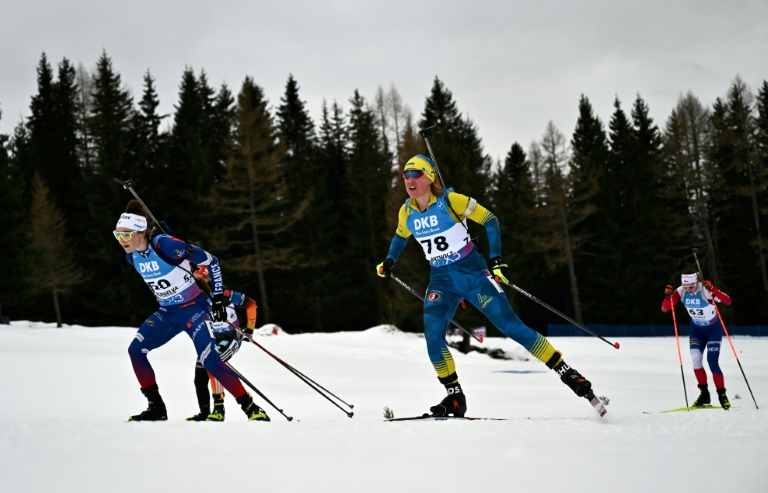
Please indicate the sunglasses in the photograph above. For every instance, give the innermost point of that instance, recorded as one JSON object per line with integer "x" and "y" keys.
{"x": 124, "y": 235}
{"x": 692, "y": 286}
{"x": 412, "y": 173}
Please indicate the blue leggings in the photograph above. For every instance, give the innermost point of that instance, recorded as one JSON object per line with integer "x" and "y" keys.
{"x": 706, "y": 339}
{"x": 469, "y": 279}
{"x": 167, "y": 323}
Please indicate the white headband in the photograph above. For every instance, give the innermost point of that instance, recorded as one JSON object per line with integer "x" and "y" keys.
{"x": 688, "y": 279}
{"x": 132, "y": 222}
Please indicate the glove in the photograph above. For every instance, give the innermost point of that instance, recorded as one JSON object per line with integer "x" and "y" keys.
{"x": 500, "y": 269}
{"x": 708, "y": 285}
{"x": 249, "y": 331}
{"x": 219, "y": 307}
{"x": 384, "y": 269}
{"x": 668, "y": 291}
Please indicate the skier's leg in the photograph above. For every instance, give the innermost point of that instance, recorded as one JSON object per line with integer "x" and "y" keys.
{"x": 439, "y": 306}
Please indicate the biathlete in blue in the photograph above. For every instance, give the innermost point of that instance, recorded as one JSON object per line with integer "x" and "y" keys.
{"x": 437, "y": 218}
{"x": 698, "y": 299}
{"x": 164, "y": 263}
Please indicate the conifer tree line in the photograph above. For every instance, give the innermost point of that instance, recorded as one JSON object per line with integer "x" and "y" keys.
{"x": 299, "y": 212}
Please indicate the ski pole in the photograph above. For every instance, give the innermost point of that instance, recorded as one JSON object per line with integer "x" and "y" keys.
{"x": 426, "y": 134}
{"x": 311, "y": 383}
{"x": 553, "y": 310}
{"x": 245, "y": 380}
{"x": 128, "y": 185}
{"x": 679, "y": 354}
{"x": 717, "y": 310}
{"x": 469, "y": 333}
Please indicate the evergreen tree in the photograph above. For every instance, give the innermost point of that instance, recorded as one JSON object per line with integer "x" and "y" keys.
{"x": 514, "y": 204}
{"x": 368, "y": 176}
{"x": 761, "y": 174}
{"x": 52, "y": 136}
{"x": 734, "y": 203}
{"x": 13, "y": 225}
{"x": 300, "y": 172}
{"x": 149, "y": 147}
{"x": 648, "y": 261}
{"x": 589, "y": 155}
{"x": 684, "y": 183}
{"x": 326, "y": 215}
{"x": 249, "y": 199}
{"x": 109, "y": 133}
{"x": 615, "y": 199}
{"x": 457, "y": 146}
{"x": 199, "y": 146}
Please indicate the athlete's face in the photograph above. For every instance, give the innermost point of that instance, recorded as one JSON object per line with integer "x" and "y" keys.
{"x": 131, "y": 240}
{"x": 416, "y": 186}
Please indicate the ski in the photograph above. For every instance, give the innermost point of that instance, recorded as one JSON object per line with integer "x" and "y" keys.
{"x": 596, "y": 403}
{"x": 692, "y": 408}
{"x": 431, "y": 417}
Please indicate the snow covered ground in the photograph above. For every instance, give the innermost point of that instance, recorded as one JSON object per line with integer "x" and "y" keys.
{"x": 66, "y": 395}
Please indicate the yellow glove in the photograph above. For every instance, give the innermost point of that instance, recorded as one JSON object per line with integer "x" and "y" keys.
{"x": 384, "y": 269}
{"x": 500, "y": 269}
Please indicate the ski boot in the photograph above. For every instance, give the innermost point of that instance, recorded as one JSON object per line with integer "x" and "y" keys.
{"x": 218, "y": 408}
{"x": 201, "y": 416}
{"x": 704, "y": 399}
{"x": 573, "y": 379}
{"x": 454, "y": 403}
{"x": 723, "y": 399}
{"x": 156, "y": 409}
{"x": 254, "y": 412}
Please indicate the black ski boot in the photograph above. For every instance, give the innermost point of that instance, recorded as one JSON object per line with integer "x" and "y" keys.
{"x": 723, "y": 399}
{"x": 254, "y": 412}
{"x": 454, "y": 403}
{"x": 156, "y": 409}
{"x": 218, "y": 408}
{"x": 704, "y": 398}
{"x": 201, "y": 416}
{"x": 573, "y": 379}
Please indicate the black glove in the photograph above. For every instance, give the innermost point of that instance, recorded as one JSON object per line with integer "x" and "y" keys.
{"x": 219, "y": 307}
{"x": 668, "y": 291}
{"x": 384, "y": 269}
{"x": 500, "y": 269}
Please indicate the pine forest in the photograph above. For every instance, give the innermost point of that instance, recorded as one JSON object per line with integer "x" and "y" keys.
{"x": 595, "y": 220}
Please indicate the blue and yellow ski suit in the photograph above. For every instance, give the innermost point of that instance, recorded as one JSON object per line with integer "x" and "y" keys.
{"x": 460, "y": 272}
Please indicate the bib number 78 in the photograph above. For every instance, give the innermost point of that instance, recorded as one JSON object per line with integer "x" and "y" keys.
{"x": 440, "y": 243}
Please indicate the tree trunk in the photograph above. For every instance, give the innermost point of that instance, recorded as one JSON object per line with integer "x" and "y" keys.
{"x": 56, "y": 307}
{"x": 571, "y": 269}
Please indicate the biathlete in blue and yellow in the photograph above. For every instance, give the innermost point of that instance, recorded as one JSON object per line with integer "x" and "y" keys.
{"x": 437, "y": 219}
{"x": 163, "y": 262}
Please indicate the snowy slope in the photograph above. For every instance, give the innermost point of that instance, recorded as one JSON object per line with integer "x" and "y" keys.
{"x": 66, "y": 394}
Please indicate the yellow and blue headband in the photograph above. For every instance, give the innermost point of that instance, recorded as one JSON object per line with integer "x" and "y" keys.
{"x": 423, "y": 164}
